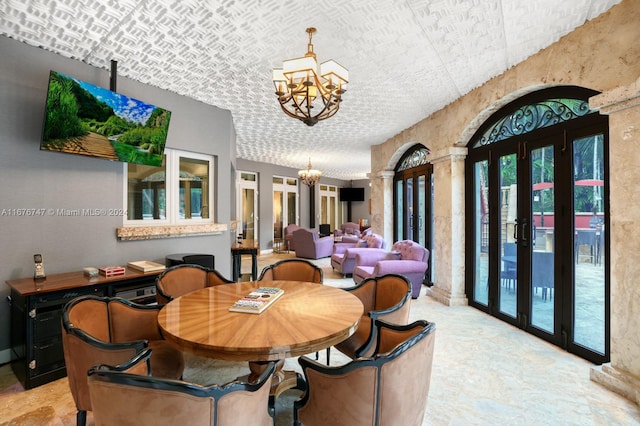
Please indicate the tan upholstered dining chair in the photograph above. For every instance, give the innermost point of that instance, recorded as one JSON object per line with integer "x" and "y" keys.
{"x": 120, "y": 397}
{"x": 98, "y": 330}
{"x": 390, "y": 387}
{"x": 385, "y": 297}
{"x": 182, "y": 279}
{"x": 292, "y": 270}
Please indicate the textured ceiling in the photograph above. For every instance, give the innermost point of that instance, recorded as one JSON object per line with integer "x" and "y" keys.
{"x": 406, "y": 59}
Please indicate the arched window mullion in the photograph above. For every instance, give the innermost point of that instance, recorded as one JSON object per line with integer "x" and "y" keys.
{"x": 533, "y": 116}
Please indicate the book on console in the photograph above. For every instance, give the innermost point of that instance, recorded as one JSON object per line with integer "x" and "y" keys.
{"x": 258, "y": 300}
{"x": 111, "y": 271}
{"x": 146, "y": 266}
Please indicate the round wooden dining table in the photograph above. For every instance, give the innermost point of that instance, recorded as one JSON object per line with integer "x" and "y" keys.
{"x": 307, "y": 318}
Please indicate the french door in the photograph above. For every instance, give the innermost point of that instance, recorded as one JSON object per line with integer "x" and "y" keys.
{"x": 247, "y": 204}
{"x": 537, "y": 243}
{"x": 413, "y": 201}
{"x": 285, "y": 204}
{"x": 330, "y": 207}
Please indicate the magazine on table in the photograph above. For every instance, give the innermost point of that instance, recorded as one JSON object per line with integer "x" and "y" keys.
{"x": 258, "y": 300}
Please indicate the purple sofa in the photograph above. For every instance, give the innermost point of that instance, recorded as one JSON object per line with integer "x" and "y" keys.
{"x": 309, "y": 245}
{"x": 343, "y": 258}
{"x": 406, "y": 258}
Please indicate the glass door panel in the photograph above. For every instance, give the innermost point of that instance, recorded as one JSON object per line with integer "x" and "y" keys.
{"x": 247, "y": 204}
{"x": 542, "y": 218}
{"x": 589, "y": 235}
{"x": 278, "y": 214}
{"x": 324, "y": 200}
{"x": 420, "y": 238}
{"x": 508, "y": 282}
{"x": 248, "y": 196}
{"x": 481, "y": 236}
{"x": 292, "y": 207}
{"x": 333, "y": 213}
{"x": 410, "y": 209}
{"x": 399, "y": 209}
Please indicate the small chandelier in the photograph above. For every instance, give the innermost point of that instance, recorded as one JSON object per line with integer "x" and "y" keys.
{"x": 305, "y": 95}
{"x": 309, "y": 176}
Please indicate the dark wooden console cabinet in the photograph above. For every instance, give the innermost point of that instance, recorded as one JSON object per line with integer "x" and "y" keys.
{"x": 36, "y": 311}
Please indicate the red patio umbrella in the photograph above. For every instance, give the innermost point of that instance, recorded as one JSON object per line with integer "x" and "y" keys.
{"x": 542, "y": 185}
{"x": 589, "y": 182}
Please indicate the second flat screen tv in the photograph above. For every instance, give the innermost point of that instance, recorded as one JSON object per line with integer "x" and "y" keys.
{"x": 84, "y": 119}
{"x": 351, "y": 194}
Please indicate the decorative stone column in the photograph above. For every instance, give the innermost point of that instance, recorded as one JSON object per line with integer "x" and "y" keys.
{"x": 449, "y": 226}
{"x": 622, "y": 374}
{"x": 382, "y": 204}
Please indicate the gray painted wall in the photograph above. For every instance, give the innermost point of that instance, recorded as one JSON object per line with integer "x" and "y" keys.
{"x": 38, "y": 179}
{"x": 360, "y": 209}
{"x": 265, "y": 199}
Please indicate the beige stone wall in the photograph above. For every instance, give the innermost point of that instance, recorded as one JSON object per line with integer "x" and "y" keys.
{"x": 602, "y": 54}
{"x": 622, "y": 105}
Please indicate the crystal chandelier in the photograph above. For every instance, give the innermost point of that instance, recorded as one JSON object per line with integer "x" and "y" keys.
{"x": 309, "y": 176}
{"x": 306, "y": 95}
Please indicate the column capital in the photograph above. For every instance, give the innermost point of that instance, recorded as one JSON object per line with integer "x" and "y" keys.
{"x": 385, "y": 174}
{"x": 617, "y": 99}
{"x": 453, "y": 153}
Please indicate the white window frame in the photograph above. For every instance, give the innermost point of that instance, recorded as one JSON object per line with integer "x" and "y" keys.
{"x": 172, "y": 179}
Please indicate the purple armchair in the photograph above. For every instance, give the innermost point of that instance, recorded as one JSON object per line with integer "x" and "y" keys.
{"x": 348, "y": 228}
{"x": 309, "y": 245}
{"x": 288, "y": 235}
{"x": 343, "y": 258}
{"x": 406, "y": 258}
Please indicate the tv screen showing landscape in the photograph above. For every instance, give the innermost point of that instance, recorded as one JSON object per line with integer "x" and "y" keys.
{"x": 84, "y": 119}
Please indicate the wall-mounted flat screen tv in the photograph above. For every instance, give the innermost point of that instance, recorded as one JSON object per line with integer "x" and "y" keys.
{"x": 351, "y": 194}
{"x": 84, "y": 119}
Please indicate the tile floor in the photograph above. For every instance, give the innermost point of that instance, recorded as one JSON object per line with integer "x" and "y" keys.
{"x": 485, "y": 372}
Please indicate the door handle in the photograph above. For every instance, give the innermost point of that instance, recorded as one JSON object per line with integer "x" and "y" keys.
{"x": 524, "y": 229}
{"x": 520, "y": 232}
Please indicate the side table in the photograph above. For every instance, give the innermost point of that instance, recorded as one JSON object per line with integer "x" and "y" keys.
{"x": 277, "y": 246}
{"x": 240, "y": 248}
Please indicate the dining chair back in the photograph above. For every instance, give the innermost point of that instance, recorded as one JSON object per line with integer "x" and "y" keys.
{"x": 107, "y": 330}
{"x": 292, "y": 270}
{"x": 120, "y": 398}
{"x": 390, "y": 387}
{"x": 384, "y": 297}
{"x": 185, "y": 278}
